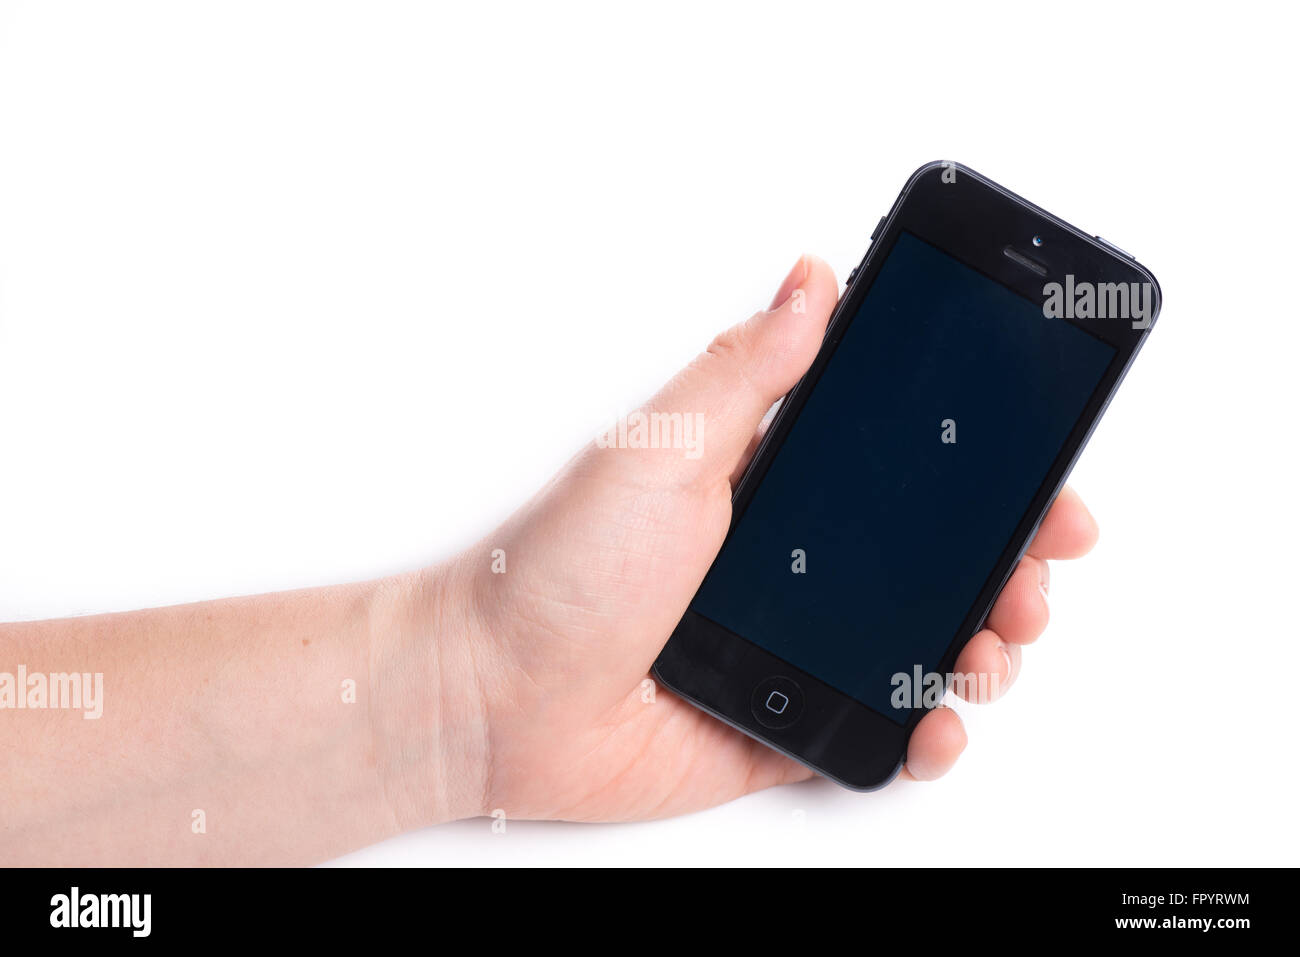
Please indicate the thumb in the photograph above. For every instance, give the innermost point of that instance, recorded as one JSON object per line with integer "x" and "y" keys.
{"x": 732, "y": 384}
{"x": 619, "y": 542}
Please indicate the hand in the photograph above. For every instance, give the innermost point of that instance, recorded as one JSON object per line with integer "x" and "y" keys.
{"x": 544, "y": 707}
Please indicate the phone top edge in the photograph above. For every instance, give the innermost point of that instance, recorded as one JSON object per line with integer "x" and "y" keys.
{"x": 1105, "y": 246}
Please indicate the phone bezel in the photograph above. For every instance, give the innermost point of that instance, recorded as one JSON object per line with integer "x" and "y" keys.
{"x": 973, "y": 219}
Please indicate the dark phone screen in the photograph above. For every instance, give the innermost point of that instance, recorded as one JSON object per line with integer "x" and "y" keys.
{"x": 899, "y": 526}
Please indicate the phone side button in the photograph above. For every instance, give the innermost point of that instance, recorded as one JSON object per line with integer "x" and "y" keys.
{"x": 777, "y": 702}
{"x": 874, "y": 233}
{"x": 1113, "y": 248}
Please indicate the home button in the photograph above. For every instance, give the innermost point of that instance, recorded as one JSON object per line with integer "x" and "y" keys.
{"x": 777, "y": 702}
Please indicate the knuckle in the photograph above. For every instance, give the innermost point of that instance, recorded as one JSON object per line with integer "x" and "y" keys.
{"x": 731, "y": 345}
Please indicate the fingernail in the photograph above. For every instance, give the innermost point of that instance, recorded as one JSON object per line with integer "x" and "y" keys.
{"x": 1044, "y": 579}
{"x": 1006, "y": 655}
{"x": 793, "y": 279}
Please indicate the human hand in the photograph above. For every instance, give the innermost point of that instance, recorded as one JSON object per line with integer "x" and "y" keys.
{"x": 539, "y": 691}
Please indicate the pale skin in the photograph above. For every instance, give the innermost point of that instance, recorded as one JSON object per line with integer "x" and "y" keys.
{"x": 475, "y": 692}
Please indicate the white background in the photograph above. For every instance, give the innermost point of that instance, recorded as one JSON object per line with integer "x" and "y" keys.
{"x": 293, "y": 294}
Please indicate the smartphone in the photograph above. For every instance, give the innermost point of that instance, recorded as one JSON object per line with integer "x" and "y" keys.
{"x": 973, "y": 352}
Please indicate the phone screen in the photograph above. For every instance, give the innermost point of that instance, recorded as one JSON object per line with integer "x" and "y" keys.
{"x": 915, "y": 457}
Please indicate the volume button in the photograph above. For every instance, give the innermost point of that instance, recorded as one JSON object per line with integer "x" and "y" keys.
{"x": 874, "y": 233}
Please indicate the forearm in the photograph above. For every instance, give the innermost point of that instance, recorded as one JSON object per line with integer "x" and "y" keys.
{"x": 276, "y": 729}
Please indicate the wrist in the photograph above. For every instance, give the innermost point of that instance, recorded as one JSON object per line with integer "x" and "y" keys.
{"x": 429, "y": 714}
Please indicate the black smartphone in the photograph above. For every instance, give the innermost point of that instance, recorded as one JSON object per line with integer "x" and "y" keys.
{"x": 968, "y": 361}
